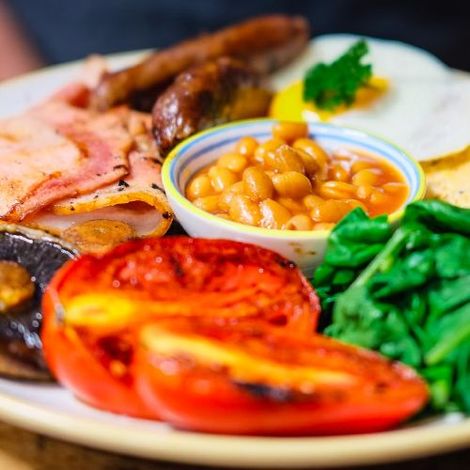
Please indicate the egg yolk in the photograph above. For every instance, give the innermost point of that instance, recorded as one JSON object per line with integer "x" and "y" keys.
{"x": 289, "y": 105}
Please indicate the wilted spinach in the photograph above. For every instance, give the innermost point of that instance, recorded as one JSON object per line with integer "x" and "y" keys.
{"x": 405, "y": 293}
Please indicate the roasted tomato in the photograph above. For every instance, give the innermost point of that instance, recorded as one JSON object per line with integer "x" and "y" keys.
{"x": 97, "y": 369}
{"x": 256, "y": 379}
{"x": 180, "y": 276}
{"x": 95, "y": 306}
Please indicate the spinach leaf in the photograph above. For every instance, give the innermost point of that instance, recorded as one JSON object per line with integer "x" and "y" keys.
{"x": 410, "y": 300}
{"x": 354, "y": 242}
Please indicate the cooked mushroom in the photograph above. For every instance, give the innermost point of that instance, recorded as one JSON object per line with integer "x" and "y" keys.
{"x": 28, "y": 259}
{"x": 16, "y": 286}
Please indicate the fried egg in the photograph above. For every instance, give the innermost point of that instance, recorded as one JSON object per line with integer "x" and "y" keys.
{"x": 413, "y": 99}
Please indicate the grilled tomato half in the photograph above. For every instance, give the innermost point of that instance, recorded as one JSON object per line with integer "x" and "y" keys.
{"x": 97, "y": 307}
{"x": 255, "y": 379}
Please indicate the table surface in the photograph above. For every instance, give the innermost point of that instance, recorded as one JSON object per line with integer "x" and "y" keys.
{"x": 23, "y": 450}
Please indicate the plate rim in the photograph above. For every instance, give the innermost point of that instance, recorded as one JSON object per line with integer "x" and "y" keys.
{"x": 114, "y": 58}
{"x": 234, "y": 451}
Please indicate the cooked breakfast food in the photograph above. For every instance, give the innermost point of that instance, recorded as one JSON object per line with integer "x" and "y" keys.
{"x": 264, "y": 44}
{"x": 165, "y": 316}
{"x": 222, "y": 336}
{"x": 405, "y": 293}
{"x": 272, "y": 382}
{"x": 386, "y": 88}
{"x": 65, "y": 165}
{"x": 91, "y": 174}
{"x": 290, "y": 182}
{"x": 28, "y": 259}
{"x": 448, "y": 178}
{"x": 206, "y": 95}
{"x": 91, "y": 329}
{"x": 58, "y": 150}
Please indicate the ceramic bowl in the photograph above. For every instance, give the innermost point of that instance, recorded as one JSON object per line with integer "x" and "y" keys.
{"x": 306, "y": 248}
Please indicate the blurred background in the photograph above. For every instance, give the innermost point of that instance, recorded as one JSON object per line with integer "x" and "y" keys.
{"x": 36, "y": 33}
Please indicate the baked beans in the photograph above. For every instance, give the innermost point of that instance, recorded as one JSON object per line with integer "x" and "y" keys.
{"x": 290, "y": 182}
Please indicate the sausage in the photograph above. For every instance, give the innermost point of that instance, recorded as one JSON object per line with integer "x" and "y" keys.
{"x": 206, "y": 95}
{"x": 264, "y": 43}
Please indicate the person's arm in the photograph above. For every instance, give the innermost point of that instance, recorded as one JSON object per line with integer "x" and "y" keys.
{"x": 17, "y": 54}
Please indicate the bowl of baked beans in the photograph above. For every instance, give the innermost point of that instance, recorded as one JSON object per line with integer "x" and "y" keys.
{"x": 285, "y": 185}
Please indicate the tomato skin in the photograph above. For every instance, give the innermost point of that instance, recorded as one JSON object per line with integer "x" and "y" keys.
{"x": 77, "y": 369}
{"x": 73, "y": 352}
{"x": 177, "y": 405}
{"x": 214, "y": 369}
{"x": 208, "y": 400}
{"x": 218, "y": 278}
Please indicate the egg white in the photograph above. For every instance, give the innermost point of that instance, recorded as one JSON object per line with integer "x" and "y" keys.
{"x": 425, "y": 111}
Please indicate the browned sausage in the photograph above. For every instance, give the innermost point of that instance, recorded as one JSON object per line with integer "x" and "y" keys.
{"x": 265, "y": 43}
{"x": 206, "y": 95}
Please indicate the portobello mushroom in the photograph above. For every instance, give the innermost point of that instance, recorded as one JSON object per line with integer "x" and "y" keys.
{"x": 28, "y": 259}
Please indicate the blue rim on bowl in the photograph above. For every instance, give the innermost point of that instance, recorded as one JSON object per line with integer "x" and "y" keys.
{"x": 176, "y": 165}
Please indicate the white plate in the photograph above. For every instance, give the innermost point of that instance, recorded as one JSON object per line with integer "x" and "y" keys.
{"x": 51, "y": 410}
